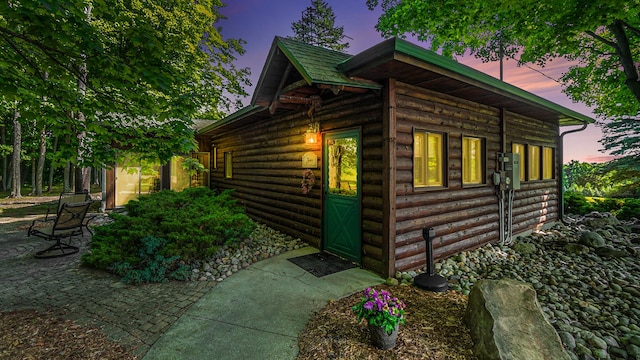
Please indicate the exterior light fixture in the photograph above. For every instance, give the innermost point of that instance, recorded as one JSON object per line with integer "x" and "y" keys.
{"x": 311, "y": 136}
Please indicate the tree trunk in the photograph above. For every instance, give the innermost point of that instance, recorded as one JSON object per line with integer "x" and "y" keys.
{"x": 52, "y": 167}
{"x": 83, "y": 174}
{"x": 17, "y": 147}
{"x": 66, "y": 187}
{"x": 3, "y": 141}
{"x": 41, "y": 160}
{"x": 623, "y": 50}
{"x": 33, "y": 177}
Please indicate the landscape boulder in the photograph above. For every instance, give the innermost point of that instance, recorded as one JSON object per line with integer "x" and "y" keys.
{"x": 507, "y": 322}
{"x": 598, "y": 220}
{"x": 591, "y": 239}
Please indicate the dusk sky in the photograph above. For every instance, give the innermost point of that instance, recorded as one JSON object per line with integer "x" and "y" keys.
{"x": 258, "y": 21}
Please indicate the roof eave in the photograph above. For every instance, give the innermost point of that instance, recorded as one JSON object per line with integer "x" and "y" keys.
{"x": 238, "y": 115}
{"x": 389, "y": 49}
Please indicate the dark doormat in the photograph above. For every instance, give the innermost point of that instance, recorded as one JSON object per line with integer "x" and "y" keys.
{"x": 322, "y": 264}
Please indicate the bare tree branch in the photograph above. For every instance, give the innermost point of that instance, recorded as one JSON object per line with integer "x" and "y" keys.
{"x": 601, "y": 39}
{"x": 631, "y": 28}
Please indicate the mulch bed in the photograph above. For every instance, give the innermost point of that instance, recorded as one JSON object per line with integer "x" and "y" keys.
{"x": 434, "y": 329}
{"x": 27, "y": 334}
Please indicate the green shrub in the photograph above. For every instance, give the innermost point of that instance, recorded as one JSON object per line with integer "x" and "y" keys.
{"x": 576, "y": 203}
{"x": 630, "y": 209}
{"x": 152, "y": 267}
{"x": 193, "y": 223}
{"x": 622, "y": 208}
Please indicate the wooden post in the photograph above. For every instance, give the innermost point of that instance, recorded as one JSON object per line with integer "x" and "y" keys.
{"x": 389, "y": 180}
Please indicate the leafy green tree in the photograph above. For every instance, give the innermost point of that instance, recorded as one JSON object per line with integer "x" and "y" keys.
{"x": 600, "y": 38}
{"x": 581, "y": 173}
{"x": 129, "y": 74}
{"x": 317, "y": 27}
{"x": 622, "y": 138}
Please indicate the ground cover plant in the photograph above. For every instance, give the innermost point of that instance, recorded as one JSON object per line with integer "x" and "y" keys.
{"x": 161, "y": 234}
{"x": 621, "y": 208}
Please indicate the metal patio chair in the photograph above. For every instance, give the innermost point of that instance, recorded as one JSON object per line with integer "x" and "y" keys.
{"x": 68, "y": 222}
{"x": 71, "y": 197}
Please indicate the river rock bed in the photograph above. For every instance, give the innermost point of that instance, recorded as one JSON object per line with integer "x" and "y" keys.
{"x": 263, "y": 243}
{"x": 586, "y": 275}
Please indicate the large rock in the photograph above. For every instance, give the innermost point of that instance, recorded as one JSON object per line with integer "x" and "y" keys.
{"x": 597, "y": 220}
{"x": 506, "y": 322}
{"x": 591, "y": 239}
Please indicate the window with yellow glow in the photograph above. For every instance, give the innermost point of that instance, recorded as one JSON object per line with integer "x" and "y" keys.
{"x": 228, "y": 167}
{"x": 179, "y": 179}
{"x": 134, "y": 177}
{"x": 547, "y": 163}
{"x": 472, "y": 160}
{"x": 428, "y": 159}
{"x": 519, "y": 149}
{"x": 533, "y": 162}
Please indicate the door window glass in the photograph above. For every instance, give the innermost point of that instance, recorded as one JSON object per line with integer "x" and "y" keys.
{"x": 343, "y": 166}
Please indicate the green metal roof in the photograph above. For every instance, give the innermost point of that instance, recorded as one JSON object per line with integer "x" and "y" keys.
{"x": 245, "y": 111}
{"x": 319, "y": 65}
{"x": 387, "y": 51}
{"x": 322, "y": 66}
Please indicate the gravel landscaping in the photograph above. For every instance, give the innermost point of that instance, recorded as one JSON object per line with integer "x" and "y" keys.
{"x": 586, "y": 275}
{"x": 587, "y": 278}
{"x": 263, "y": 243}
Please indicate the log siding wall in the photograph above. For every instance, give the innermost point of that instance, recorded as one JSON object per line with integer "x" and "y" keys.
{"x": 267, "y": 169}
{"x": 464, "y": 217}
{"x": 267, "y": 173}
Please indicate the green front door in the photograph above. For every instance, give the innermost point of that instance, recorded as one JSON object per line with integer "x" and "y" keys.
{"x": 342, "y": 193}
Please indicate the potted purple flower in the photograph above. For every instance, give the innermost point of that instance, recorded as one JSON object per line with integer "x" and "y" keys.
{"x": 383, "y": 313}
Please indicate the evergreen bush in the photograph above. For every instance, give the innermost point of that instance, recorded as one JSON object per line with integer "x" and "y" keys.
{"x": 191, "y": 225}
{"x": 153, "y": 267}
{"x": 576, "y": 203}
{"x": 622, "y": 208}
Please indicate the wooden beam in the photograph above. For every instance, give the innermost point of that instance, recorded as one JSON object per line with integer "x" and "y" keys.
{"x": 389, "y": 180}
{"x": 274, "y": 103}
{"x": 286, "y": 99}
{"x": 295, "y": 86}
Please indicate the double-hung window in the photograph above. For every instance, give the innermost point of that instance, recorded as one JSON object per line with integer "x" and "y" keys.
{"x": 428, "y": 159}
{"x": 520, "y": 149}
{"x": 533, "y": 163}
{"x": 472, "y": 160}
{"x": 228, "y": 165}
{"x": 547, "y": 163}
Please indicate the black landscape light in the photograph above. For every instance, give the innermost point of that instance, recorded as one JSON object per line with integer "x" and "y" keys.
{"x": 428, "y": 280}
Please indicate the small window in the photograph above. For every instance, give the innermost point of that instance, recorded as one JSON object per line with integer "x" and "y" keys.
{"x": 547, "y": 163}
{"x": 472, "y": 160}
{"x": 214, "y": 157}
{"x": 228, "y": 167}
{"x": 428, "y": 159}
{"x": 533, "y": 166}
{"x": 519, "y": 149}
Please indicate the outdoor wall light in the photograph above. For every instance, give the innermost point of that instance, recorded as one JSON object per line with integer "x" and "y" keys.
{"x": 311, "y": 136}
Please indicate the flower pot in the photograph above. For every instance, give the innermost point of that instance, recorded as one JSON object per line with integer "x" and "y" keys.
{"x": 381, "y": 339}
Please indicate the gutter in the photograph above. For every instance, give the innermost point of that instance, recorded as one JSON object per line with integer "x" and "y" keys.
{"x": 560, "y": 180}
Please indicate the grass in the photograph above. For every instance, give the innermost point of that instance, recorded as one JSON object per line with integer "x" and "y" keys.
{"x": 36, "y": 205}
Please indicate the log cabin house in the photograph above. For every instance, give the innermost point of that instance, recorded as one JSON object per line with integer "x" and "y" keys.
{"x": 356, "y": 155}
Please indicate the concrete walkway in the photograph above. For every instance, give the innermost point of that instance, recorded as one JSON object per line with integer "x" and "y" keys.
{"x": 257, "y": 313}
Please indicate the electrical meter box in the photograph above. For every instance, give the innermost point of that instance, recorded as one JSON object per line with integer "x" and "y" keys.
{"x": 510, "y": 166}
